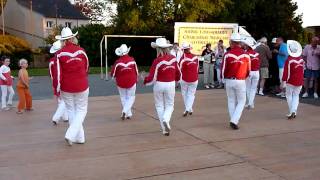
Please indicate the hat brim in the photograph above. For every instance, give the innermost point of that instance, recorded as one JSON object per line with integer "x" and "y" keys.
{"x": 53, "y": 50}
{"x": 59, "y": 37}
{"x": 119, "y": 53}
{"x": 297, "y": 54}
{"x": 154, "y": 45}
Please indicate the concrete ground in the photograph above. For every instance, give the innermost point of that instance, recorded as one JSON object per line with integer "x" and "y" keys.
{"x": 201, "y": 146}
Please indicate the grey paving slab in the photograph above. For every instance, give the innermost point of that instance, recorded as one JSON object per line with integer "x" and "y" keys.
{"x": 241, "y": 171}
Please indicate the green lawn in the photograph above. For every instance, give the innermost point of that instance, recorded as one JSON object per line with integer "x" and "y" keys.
{"x": 45, "y": 71}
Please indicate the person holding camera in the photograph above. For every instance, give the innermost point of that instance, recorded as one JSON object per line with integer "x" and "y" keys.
{"x": 208, "y": 66}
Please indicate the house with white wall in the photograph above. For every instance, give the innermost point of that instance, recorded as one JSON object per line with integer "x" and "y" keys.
{"x": 34, "y": 20}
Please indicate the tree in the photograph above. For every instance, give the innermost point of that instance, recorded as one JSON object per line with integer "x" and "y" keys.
{"x": 94, "y": 9}
{"x": 158, "y": 16}
{"x": 270, "y": 18}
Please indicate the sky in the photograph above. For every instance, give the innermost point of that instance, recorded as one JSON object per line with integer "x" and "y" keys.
{"x": 310, "y": 10}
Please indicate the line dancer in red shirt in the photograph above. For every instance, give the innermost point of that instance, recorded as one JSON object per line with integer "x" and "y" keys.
{"x": 125, "y": 71}
{"x": 253, "y": 79}
{"x": 293, "y": 76}
{"x": 164, "y": 73}
{"x": 235, "y": 70}
{"x": 61, "y": 112}
{"x": 72, "y": 84}
{"x": 189, "y": 66}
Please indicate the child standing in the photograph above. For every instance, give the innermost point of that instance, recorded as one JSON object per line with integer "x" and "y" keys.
{"x": 293, "y": 76}
{"x": 25, "y": 98}
{"x": 6, "y": 81}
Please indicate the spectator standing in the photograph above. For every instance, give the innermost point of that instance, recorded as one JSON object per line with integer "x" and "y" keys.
{"x": 208, "y": 66}
{"x": 265, "y": 56}
{"x": 311, "y": 55}
{"x": 219, "y": 52}
{"x": 6, "y": 81}
{"x": 282, "y": 55}
{"x": 23, "y": 90}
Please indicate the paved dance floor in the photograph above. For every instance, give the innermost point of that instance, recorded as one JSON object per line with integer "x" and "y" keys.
{"x": 201, "y": 146}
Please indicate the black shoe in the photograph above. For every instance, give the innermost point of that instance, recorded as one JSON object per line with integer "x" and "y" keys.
{"x": 68, "y": 142}
{"x": 128, "y": 117}
{"x": 185, "y": 113}
{"x": 123, "y": 116}
{"x": 234, "y": 126}
{"x": 166, "y": 127}
{"x": 292, "y": 116}
{"x": 190, "y": 113}
{"x": 54, "y": 123}
{"x": 167, "y": 134}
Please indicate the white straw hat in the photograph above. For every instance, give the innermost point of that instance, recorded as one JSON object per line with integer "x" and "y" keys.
{"x": 56, "y": 46}
{"x": 236, "y": 37}
{"x": 294, "y": 48}
{"x": 66, "y": 33}
{"x": 249, "y": 41}
{"x": 161, "y": 43}
{"x": 186, "y": 45}
{"x": 122, "y": 50}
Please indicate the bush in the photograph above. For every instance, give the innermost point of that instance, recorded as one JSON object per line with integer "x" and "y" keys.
{"x": 16, "y": 48}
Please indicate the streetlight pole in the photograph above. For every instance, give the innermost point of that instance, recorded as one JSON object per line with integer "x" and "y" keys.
{"x": 2, "y": 17}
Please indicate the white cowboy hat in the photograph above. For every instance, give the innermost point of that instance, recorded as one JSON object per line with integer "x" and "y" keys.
{"x": 236, "y": 37}
{"x": 186, "y": 45}
{"x": 56, "y": 46}
{"x": 66, "y": 33}
{"x": 122, "y": 50}
{"x": 274, "y": 40}
{"x": 249, "y": 41}
{"x": 161, "y": 43}
{"x": 294, "y": 48}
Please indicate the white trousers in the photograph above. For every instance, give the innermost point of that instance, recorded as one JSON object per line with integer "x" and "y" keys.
{"x": 236, "y": 92}
{"x": 208, "y": 73}
{"x": 251, "y": 86}
{"x": 188, "y": 91}
{"x": 127, "y": 97}
{"x": 61, "y": 112}
{"x": 5, "y": 89}
{"x": 77, "y": 105}
{"x": 292, "y": 95}
{"x": 164, "y": 100}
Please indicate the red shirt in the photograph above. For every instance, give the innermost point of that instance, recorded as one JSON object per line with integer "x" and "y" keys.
{"x": 255, "y": 60}
{"x": 125, "y": 71}
{"x": 189, "y": 65}
{"x": 293, "y": 71}
{"x": 235, "y": 64}
{"x": 164, "y": 69}
{"x": 72, "y": 69}
{"x": 53, "y": 74}
{"x": 6, "y": 73}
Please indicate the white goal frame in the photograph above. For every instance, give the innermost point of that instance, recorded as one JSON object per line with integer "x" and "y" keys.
{"x": 105, "y": 40}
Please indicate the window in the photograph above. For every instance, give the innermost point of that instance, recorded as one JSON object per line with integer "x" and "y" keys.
{"x": 68, "y": 24}
{"x": 49, "y": 24}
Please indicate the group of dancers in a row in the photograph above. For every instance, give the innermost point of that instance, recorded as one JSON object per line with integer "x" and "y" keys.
{"x": 240, "y": 73}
